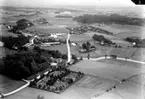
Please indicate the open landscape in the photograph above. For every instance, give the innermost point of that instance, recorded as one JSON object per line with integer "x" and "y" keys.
{"x": 72, "y": 52}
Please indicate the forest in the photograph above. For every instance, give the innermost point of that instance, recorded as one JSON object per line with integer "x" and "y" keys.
{"x": 109, "y": 19}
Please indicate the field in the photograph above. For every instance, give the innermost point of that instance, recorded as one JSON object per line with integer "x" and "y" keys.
{"x": 83, "y": 89}
{"x": 4, "y": 32}
{"x": 123, "y": 52}
{"x": 100, "y": 76}
{"x": 7, "y": 85}
{"x": 123, "y": 31}
{"x": 47, "y": 29}
{"x": 117, "y": 40}
{"x": 62, "y": 48}
{"x": 114, "y": 71}
{"x": 80, "y": 38}
{"x": 139, "y": 54}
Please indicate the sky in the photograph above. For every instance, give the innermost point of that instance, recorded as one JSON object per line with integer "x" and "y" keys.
{"x": 47, "y": 3}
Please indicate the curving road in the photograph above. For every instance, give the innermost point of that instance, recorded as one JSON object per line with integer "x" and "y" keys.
{"x": 31, "y": 42}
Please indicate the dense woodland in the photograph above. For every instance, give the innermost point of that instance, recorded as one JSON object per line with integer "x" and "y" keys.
{"x": 27, "y": 63}
{"x": 110, "y": 19}
{"x": 21, "y": 25}
{"x": 12, "y": 42}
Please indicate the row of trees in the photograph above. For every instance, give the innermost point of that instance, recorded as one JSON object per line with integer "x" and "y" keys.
{"x": 138, "y": 42}
{"x": 101, "y": 38}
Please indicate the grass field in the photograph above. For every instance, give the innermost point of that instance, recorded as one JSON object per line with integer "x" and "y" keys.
{"x": 111, "y": 37}
{"x": 128, "y": 34}
{"x": 80, "y": 38}
{"x": 123, "y": 52}
{"x": 139, "y": 54}
{"x": 7, "y": 85}
{"x": 110, "y": 70}
{"x": 83, "y": 89}
{"x": 48, "y": 29}
{"x": 62, "y": 48}
{"x": 100, "y": 76}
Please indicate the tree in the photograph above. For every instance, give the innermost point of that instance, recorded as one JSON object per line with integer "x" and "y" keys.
{"x": 98, "y": 37}
{"x": 37, "y": 49}
{"x": 88, "y": 56}
{"x": 74, "y": 57}
{"x": 86, "y": 46}
{"x": 23, "y": 24}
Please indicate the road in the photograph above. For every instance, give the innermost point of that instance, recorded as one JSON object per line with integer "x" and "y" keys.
{"x": 68, "y": 48}
{"x": 31, "y": 42}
